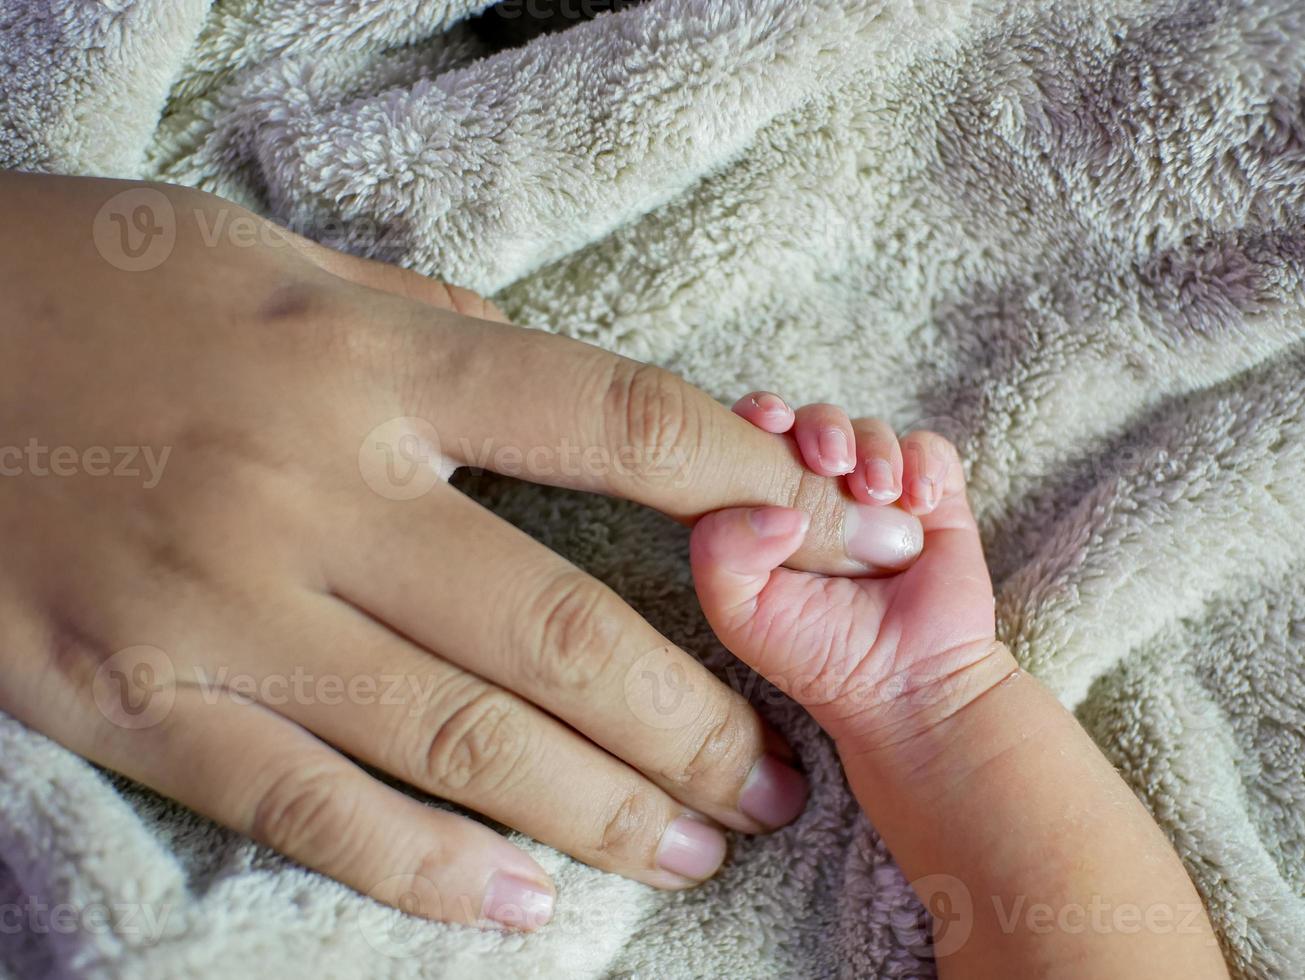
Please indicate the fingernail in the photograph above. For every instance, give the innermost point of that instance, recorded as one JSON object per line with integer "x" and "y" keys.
{"x": 835, "y": 451}
{"x": 771, "y": 404}
{"x": 925, "y": 492}
{"x": 691, "y": 849}
{"x": 774, "y": 793}
{"x": 880, "y": 481}
{"x": 885, "y": 537}
{"x": 517, "y": 903}
{"x": 778, "y": 522}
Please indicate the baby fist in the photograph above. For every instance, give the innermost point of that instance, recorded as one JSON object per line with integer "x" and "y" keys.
{"x": 877, "y": 661}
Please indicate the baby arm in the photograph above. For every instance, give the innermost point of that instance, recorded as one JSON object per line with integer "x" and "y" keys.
{"x": 1035, "y": 856}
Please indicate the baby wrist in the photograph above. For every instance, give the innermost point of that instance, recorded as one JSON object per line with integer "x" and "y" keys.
{"x": 914, "y": 728}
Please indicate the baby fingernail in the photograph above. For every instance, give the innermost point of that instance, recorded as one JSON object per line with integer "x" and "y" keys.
{"x": 777, "y": 522}
{"x": 926, "y": 492}
{"x": 885, "y": 537}
{"x": 774, "y": 793}
{"x": 691, "y": 849}
{"x": 516, "y": 902}
{"x": 771, "y": 404}
{"x": 880, "y": 481}
{"x": 835, "y": 450}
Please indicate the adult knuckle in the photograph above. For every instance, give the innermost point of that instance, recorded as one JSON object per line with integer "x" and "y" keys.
{"x": 651, "y": 418}
{"x": 293, "y": 303}
{"x": 823, "y": 499}
{"x": 811, "y": 492}
{"x": 722, "y": 745}
{"x": 304, "y": 813}
{"x": 479, "y": 746}
{"x": 307, "y": 320}
{"x": 331, "y": 330}
{"x": 630, "y": 826}
{"x": 576, "y": 635}
{"x": 70, "y": 651}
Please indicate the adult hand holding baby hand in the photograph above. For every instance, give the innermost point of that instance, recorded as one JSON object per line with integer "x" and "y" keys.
{"x": 182, "y": 630}
{"x": 879, "y": 660}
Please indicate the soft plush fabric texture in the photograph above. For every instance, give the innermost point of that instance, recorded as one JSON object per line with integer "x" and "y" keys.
{"x": 1068, "y": 233}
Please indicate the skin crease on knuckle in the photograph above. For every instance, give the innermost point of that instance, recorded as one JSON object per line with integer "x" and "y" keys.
{"x": 480, "y": 748}
{"x": 569, "y": 634}
{"x": 722, "y": 753}
{"x": 630, "y": 831}
{"x": 652, "y": 416}
{"x": 824, "y": 500}
{"x": 308, "y": 812}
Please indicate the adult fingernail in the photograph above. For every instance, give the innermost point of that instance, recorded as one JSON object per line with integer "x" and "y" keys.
{"x": 778, "y": 522}
{"x": 880, "y": 481}
{"x": 517, "y": 903}
{"x": 835, "y": 450}
{"x": 884, "y": 537}
{"x": 691, "y": 849}
{"x": 774, "y": 793}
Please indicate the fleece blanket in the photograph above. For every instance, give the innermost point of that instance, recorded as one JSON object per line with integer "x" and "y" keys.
{"x": 1068, "y": 233}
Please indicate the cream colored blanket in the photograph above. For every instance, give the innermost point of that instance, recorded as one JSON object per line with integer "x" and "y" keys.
{"x": 1067, "y": 232}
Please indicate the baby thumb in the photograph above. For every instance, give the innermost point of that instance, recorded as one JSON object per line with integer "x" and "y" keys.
{"x": 733, "y": 553}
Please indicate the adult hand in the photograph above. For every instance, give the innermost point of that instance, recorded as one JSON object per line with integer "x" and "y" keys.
{"x": 233, "y": 563}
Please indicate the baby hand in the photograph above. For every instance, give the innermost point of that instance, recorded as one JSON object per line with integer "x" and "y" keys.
{"x": 979, "y": 781}
{"x": 877, "y": 661}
